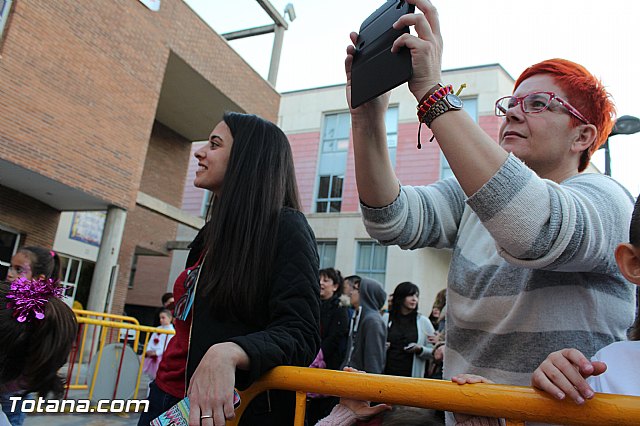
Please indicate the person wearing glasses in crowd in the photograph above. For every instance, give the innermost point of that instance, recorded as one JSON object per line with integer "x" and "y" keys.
{"x": 533, "y": 238}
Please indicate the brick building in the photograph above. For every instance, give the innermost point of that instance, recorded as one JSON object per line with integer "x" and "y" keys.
{"x": 99, "y": 104}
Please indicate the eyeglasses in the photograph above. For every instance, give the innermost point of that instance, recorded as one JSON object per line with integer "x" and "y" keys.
{"x": 534, "y": 103}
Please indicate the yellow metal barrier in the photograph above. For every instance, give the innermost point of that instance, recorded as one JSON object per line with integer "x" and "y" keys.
{"x": 82, "y": 313}
{"x": 514, "y": 403}
{"x": 122, "y": 322}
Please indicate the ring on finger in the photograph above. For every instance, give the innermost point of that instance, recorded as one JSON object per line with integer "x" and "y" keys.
{"x": 206, "y": 416}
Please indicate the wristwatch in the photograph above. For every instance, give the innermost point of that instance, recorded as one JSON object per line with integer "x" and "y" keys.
{"x": 449, "y": 102}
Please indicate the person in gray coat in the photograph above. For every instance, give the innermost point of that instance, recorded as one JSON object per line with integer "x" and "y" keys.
{"x": 368, "y": 333}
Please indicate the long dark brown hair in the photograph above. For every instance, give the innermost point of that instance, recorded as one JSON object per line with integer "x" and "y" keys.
{"x": 32, "y": 352}
{"x": 240, "y": 241}
{"x": 400, "y": 293}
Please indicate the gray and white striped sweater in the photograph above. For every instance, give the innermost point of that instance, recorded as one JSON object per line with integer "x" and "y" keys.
{"x": 533, "y": 267}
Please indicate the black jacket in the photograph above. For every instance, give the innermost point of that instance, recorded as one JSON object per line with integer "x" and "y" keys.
{"x": 289, "y": 331}
{"x": 334, "y": 330}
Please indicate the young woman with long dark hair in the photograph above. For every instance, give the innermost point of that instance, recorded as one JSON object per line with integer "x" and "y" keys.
{"x": 408, "y": 348}
{"x": 251, "y": 301}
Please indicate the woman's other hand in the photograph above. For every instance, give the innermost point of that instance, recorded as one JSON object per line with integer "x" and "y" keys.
{"x": 362, "y": 409}
{"x": 463, "y": 379}
{"x": 463, "y": 419}
{"x": 211, "y": 387}
{"x": 564, "y": 372}
{"x": 375, "y": 108}
{"x": 413, "y": 348}
{"x": 435, "y": 338}
{"x": 425, "y": 48}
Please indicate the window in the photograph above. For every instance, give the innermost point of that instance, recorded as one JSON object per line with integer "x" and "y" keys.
{"x": 76, "y": 275}
{"x": 471, "y": 107}
{"x": 333, "y": 162}
{"x": 372, "y": 261}
{"x": 5, "y": 8}
{"x": 336, "y": 132}
{"x": 329, "y": 198}
{"x": 391, "y": 123}
{"x": 134, "y": 267}
{"x": 327, "y": 254}
{"x": 9, "y": 241}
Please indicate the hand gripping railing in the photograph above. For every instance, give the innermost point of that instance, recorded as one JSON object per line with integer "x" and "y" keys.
{"x": 514, "y": 403}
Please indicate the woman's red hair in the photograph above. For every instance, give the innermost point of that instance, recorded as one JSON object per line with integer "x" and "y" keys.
{"x": 585, "y": 92}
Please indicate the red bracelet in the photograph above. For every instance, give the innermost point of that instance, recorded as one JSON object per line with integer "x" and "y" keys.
{"x": 427, "y": 102}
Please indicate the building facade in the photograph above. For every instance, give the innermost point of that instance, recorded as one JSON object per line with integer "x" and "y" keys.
{"x": 317, "y": 122}
{"x": 99, "y": 105}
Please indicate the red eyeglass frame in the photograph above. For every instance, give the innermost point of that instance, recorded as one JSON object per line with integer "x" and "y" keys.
{"x": 570, "y": 108}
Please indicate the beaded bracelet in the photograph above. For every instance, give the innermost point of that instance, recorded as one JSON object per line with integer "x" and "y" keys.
{"x": 427, "y": 103}
{"x": 434, "y": 94}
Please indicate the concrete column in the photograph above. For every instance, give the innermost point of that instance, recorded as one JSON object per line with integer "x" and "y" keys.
{"x": 106, "y": 264}
{"x": 275, "y": 55}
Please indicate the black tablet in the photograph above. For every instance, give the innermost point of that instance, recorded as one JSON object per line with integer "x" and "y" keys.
{"x": 375, "y": 70}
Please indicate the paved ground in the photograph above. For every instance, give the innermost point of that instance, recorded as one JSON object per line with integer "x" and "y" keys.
{"x": 95, "y": 419}
{"x": 88, "y": 419}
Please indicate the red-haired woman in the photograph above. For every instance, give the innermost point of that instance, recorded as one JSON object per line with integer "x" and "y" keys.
{"x": 533, "y": 238}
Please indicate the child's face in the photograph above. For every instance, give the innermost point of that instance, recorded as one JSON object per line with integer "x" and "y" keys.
{"x": 165, "y": 319}
{"x": 20, "y": 267}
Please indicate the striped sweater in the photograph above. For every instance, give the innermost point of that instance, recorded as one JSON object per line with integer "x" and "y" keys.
{"x": 532, "y": 271}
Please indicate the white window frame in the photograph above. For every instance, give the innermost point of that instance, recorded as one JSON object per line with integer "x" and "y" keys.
{"x": 368, "y": 272}
{"x": 15, "y": 245}
{"x": 322, "y": 246}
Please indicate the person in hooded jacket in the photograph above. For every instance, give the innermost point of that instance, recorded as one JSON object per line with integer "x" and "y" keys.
{"x": 366, "y": 346}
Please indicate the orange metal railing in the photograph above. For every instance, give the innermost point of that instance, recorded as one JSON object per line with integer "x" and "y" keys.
{"x": 514, "y": 403}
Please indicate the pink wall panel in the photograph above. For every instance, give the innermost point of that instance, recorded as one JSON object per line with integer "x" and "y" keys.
{"x": 416, "y": 166}
{"x": 491, "y": 125}
{"x": 305, "y": 157}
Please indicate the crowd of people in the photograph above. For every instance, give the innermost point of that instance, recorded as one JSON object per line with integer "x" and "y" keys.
{"x": 540, "y": 289}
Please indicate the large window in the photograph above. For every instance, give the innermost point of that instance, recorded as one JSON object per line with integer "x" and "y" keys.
{"x": 336, "y": 132}
{"x": 471, "y": 107}
{"x": 9, "y": 241}
{"x": 329, "y": 194}
{"x": 327, "y": 254}
{"x": 371, "y": 260}
{"x": 333, "y": 162}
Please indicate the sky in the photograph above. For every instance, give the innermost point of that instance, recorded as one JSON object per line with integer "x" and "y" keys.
{"x": 602, "y": 36}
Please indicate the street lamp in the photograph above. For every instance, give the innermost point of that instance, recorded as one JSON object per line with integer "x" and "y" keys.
{"x": 625, "y": 125}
